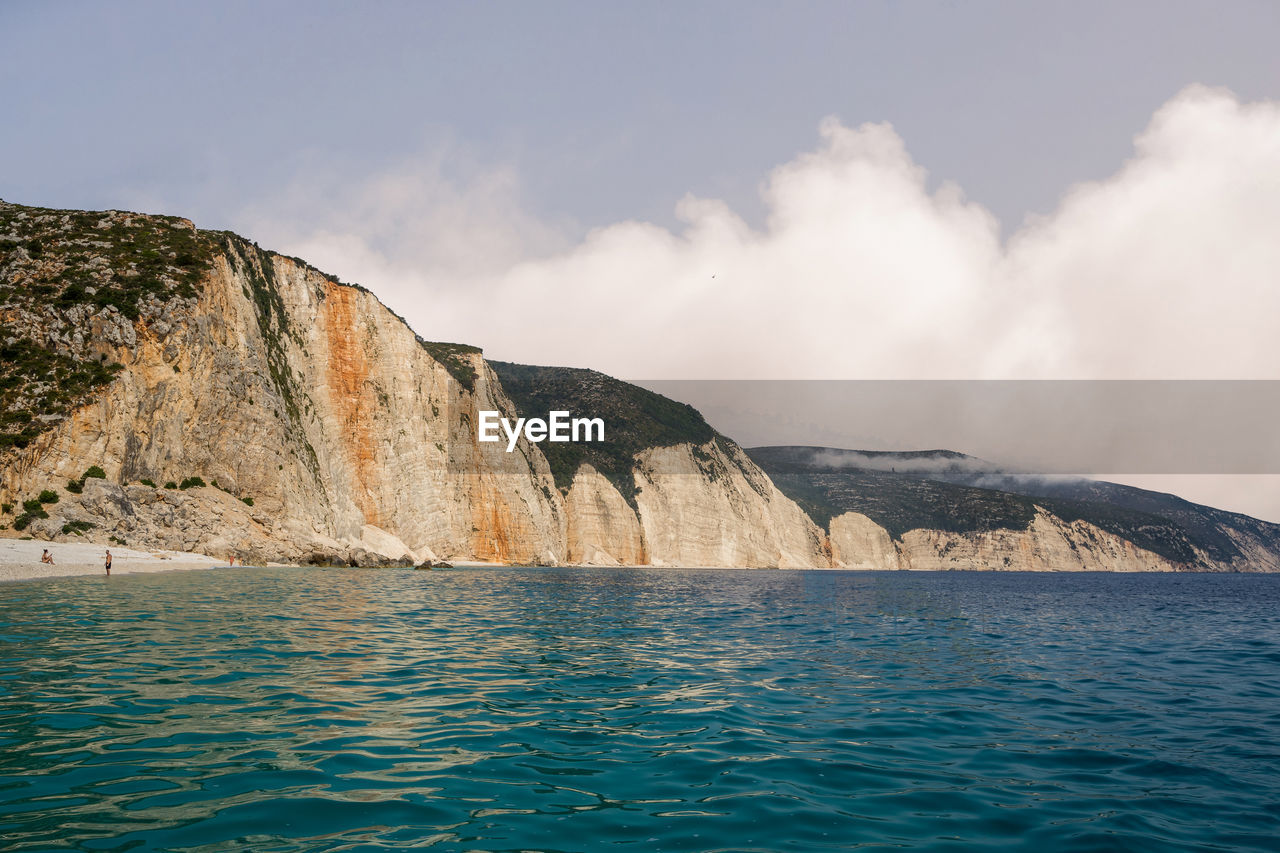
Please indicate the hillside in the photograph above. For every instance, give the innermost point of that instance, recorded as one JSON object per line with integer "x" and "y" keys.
{"x": 72, "y": 284}
{"x": 636, "y": 419}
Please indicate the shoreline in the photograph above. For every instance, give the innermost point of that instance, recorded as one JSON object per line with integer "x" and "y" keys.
{"x": 20, "y": 560}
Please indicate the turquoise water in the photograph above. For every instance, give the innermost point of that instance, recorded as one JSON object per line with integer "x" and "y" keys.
{"x": 561, "y": 709}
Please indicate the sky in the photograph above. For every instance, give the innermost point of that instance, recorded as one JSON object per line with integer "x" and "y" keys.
{"x": 737, "y": 190}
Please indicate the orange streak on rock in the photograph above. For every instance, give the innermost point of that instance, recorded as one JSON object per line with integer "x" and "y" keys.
{"x": 348, "y": 374}
{"x": 492, "y": 524}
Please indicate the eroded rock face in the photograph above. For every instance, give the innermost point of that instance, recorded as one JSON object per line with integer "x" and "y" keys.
{"x": 857, "y": 542}
{"x": 356, "y": 445}
{"x": 1048, "y": 545}
{"x": 696, "y": 506}
{"x": 316, "y": 402}
{"x": 601, "y": 527}
{"x": 701, "y": 506}
{"x": 202, "y": 520}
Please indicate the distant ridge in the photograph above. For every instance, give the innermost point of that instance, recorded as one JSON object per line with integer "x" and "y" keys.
{"x": 951, "y": 491}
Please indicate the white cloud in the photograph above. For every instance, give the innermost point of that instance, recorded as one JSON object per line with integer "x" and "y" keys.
{"x": 1169, "y": 268}
{"x": 858, "y": 271}
{"x": 1165, "y": 269}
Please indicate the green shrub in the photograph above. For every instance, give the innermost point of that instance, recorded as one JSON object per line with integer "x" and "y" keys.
{"x": 75, "y": 487}
{"x": 34, "y": 510}
{"x": 171, "y": 485}
{"x": 117, "y": 541}
{"x": 144, "y": 481}
{"x": 77, "y": 527}
{"x": 94, "y": 473}
{"x": 6, "y": 508}
{"x": 247, "y": 501}
{"x": 192, "y": 483}
{"x": 48, "y": 496}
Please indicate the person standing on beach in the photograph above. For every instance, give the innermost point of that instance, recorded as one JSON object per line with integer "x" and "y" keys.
{"x": 108, "y": 563}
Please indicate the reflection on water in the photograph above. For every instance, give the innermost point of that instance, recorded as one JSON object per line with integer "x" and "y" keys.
{"x": 560, "y": 709}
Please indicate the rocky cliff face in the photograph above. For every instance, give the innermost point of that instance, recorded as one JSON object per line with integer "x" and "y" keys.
{"x": 710, "y": 505}
{"x": 1048, "y": 544}
{"x": 353, "y": 439}
{"x": 696, "y": 505}
{"x": 310, "y": 398}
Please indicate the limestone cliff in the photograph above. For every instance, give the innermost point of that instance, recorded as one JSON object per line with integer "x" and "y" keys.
{"x": 677, "y": 493}
{"x": 601, "y": 528}
{"x": 1048, "y": 544}
{"x": 313, "y": 400}
{"x": 696, "y": 506}
{"x": 297, "y": 419}
{"x": 710, "y": 505}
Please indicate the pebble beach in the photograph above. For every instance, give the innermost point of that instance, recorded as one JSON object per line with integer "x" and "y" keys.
{"x": 20, "y": 560}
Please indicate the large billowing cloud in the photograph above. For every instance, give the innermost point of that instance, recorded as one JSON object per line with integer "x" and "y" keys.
{"x": 1166, "y": 269}
{"x": 1171, "y": 267}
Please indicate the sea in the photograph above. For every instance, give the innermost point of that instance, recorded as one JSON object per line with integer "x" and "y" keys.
{"x": 572, "y": 709}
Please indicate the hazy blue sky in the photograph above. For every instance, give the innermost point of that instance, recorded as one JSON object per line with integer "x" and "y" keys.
{"x": 606, "y": 111}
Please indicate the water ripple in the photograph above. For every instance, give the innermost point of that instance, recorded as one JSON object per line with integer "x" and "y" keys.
{"x": 562, "y": 710}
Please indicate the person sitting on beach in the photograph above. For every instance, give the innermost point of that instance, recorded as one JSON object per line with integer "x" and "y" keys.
{"x": 46, "y": 557}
